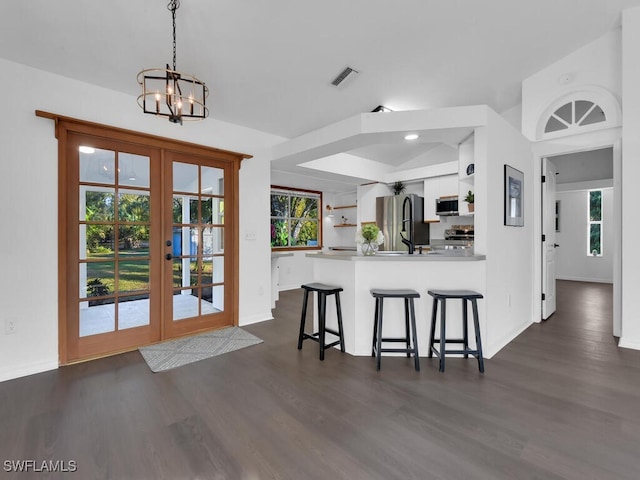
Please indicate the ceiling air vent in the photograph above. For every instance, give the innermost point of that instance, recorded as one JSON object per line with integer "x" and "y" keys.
{"x": 345, "y": 74}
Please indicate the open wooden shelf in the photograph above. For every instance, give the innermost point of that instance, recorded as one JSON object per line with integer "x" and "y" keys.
{"x": 344, "y": 206}
{"x": 345, "y": 225}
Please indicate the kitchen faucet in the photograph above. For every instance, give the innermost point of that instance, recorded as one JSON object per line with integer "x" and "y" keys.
{"x": 408, "y": 243}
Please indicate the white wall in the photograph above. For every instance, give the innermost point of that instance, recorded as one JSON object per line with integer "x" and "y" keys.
{"x": 29, "y": 211}
{"x": 572, "y": 261}
{"x": 509, "y": 250}
{"x": 630, "y": 329}
{"x": 596, "y": 64}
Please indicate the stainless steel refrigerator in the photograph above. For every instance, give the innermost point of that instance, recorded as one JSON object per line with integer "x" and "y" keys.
{"x": 391, "y": 219}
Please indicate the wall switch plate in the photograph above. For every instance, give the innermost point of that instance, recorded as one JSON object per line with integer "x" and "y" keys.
{"x": 10, "y": 326}
{"x": 250, "y": 235}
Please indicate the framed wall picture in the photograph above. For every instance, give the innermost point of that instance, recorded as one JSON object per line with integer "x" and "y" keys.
{"x": 513, "y": 197}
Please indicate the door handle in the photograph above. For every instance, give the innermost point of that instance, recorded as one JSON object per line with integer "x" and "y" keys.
{"x": 555, "y": 245}
{"x": 168, "y": 256}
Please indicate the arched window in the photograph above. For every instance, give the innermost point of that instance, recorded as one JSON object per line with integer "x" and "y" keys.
{"x": 586, "y": 109}
{"x": 576, "y": 113}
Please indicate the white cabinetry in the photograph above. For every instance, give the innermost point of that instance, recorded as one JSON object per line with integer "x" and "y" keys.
{"x": 434, "y": 188}
{"x": 466, "y": 181}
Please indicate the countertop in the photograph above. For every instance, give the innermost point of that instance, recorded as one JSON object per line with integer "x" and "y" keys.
{"x": 438, "y": 256}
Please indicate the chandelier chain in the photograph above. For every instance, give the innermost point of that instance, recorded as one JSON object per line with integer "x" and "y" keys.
{"x": 173, "y": 6}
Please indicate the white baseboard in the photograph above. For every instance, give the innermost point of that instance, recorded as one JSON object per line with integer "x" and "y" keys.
{"x": 585, "y": 279}
{"x": 491, "y": 350}
{"x": 29, "y": 369}
{"x": 289, "y": 287}
{"x": 632, "y": 343}
{"x": 257, "y": 318}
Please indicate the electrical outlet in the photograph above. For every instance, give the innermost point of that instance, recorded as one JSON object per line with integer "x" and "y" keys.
{"x": 10, "y": 326}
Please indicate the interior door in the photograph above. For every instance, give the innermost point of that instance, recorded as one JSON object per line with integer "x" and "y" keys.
{"x": 549, "y": 244}
{"x": 198, "y": 277}
{"x": 113, "y": 246}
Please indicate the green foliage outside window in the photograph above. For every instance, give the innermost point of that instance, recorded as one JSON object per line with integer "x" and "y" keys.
{"x": 595, "y": 223}
{"x": 294, "y": 219}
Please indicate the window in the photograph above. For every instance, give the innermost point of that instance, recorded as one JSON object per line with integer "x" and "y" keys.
{"x": 577, "y": 113}
{"x": 595, "y": 223}
{"x": 294, "y": 218}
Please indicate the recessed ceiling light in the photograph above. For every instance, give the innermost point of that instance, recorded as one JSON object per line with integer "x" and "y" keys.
{"x": 411, "y": 136}
{"x": 85, "y": 149}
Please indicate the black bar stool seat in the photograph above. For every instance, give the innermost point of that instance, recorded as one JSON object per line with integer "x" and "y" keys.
{"x": 322, "y": 291}
{"x": 441, "y": 296}
{"x": 410, "y": 325}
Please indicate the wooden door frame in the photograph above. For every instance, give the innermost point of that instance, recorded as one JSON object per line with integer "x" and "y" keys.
{"x": 66, "y": 125}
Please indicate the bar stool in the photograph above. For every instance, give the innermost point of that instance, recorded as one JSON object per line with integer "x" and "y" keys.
{"x": 409, "y": 324}
{"x": 323, "y": 291}
{"x": 465, "y": 296}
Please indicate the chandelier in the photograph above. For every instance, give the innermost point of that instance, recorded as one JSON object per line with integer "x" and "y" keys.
{"x": 169, "y": 93}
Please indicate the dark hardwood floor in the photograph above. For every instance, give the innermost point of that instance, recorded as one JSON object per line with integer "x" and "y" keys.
{"x": 559, "y": 402}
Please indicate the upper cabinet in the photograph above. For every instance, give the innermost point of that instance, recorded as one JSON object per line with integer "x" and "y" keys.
{"x": 434, "y": 188}
{"x": 466, "y": 172}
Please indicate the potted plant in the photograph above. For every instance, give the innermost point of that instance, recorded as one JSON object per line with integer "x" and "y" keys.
{"x": 469, "y": 199}
{"x": 399, "y": 187}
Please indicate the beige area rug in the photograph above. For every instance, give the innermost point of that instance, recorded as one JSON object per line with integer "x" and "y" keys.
{"x": 182, "y": 351}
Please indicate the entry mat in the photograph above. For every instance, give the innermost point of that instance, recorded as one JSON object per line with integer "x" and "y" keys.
{"x": 182, "y": 351}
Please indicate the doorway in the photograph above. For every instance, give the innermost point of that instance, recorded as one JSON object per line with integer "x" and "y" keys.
{"x": 581, "y": 217}
{"x": 148, "y": 240}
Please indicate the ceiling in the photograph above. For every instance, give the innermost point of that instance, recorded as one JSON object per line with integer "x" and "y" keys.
{"x": 584, "y": 166}
{"x": 269, "y": 64}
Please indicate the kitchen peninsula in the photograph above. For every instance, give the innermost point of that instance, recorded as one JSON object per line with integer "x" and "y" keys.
{"x": 357, "y": 274}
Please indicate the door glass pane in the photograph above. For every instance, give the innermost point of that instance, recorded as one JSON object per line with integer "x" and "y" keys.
{"x": 193, "y": 210}
{"x": 178, "y": 201}
{"x": 213, "y": 210}
{"x": 133, "y": 170}
{"x": 99, "y": 279}
{"x": 185, "y": 209}
{"x": 212, "y": 300}
{"x": 212, "y": 181}
{"x": 133, "y": 312}
{"x": 96, "y": 319}
{"x": 133, "y": 207}
{"x": 133, "y": 241}
{"x": 185, "y": 304}
{"x": 212, "y": 270}
{"x": 97, "y": 204}
{"x": 185, "y": 272}
{"x": 96, "y": 241}
{"x": 97, "y": 166}
{"x": 185, "y": 177}
{"x": 133, "y": 275}
{"x": 212, "y": 240}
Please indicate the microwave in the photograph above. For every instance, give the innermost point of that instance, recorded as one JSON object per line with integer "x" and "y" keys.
{"x": 447, "y": 206}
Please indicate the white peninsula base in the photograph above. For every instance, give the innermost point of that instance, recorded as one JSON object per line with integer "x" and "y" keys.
{"x": 357, "y": 275}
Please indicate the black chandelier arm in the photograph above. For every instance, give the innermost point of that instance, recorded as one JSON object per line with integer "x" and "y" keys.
{"x": 173, "y": 5}
{"x": 172, "y": 94}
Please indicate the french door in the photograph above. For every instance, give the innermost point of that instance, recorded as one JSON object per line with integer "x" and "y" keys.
{"x": 195, "y": 237}
{"x": 150, "y": 244}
